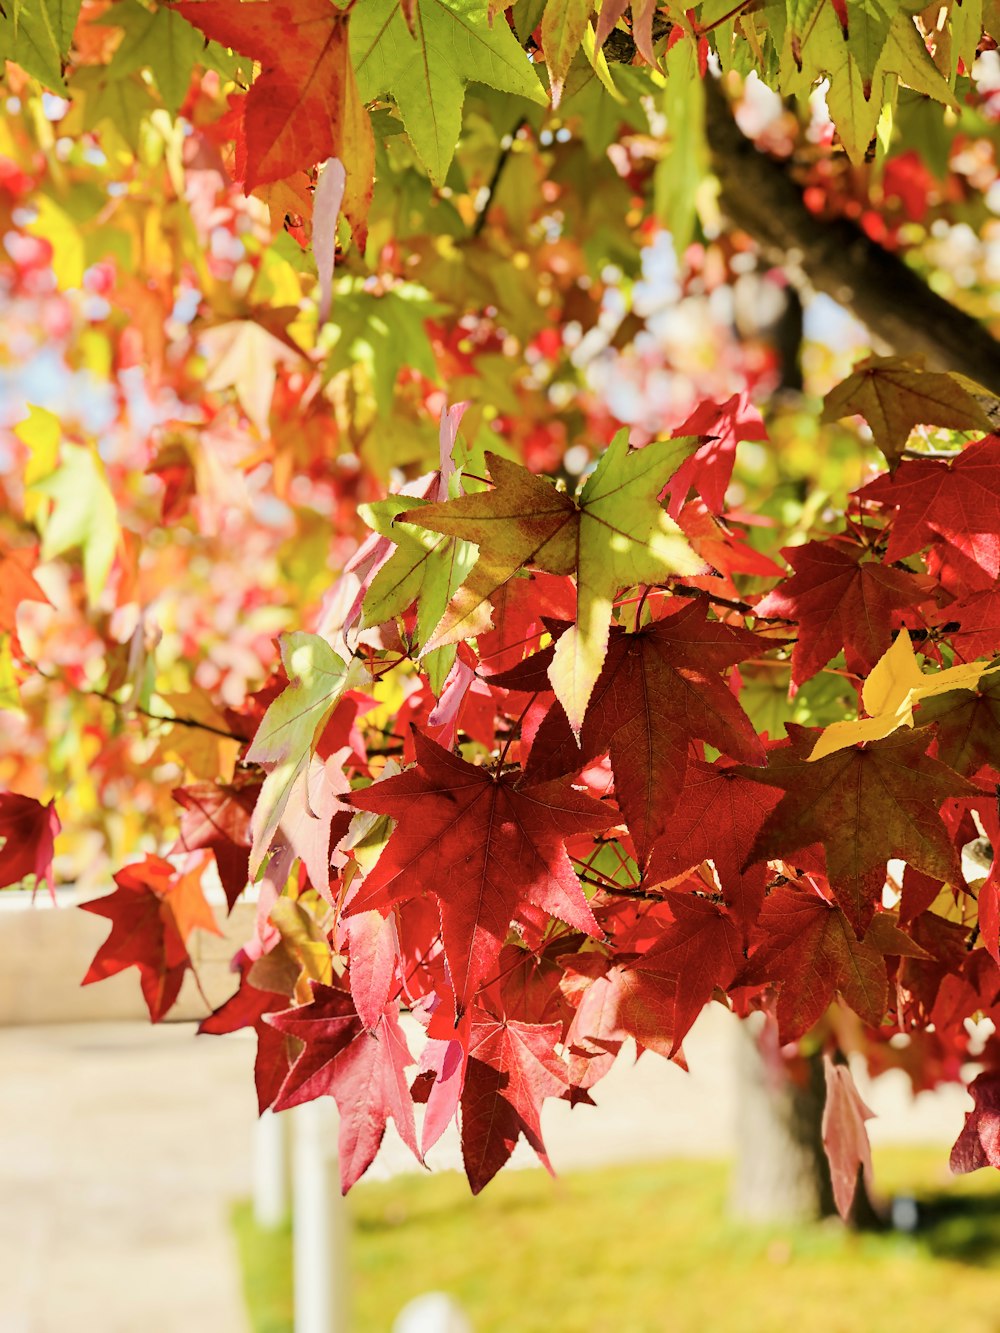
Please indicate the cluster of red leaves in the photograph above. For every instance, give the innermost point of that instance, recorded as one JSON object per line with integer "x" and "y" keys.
{"x": 536, "y": 898}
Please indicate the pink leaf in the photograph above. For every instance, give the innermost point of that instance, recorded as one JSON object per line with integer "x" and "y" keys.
{"x": 326, "y": 210}
{"x": 844, "y": 1135}
{"x": 373, "y": 951}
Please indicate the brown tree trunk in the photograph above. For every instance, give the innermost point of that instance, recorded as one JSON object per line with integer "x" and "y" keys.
{"x": 835, "y": 256}
{"x": 781, "y": 1172}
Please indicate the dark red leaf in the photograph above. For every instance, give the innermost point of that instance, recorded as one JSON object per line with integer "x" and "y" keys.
{"x": 512, "y": 1068}
{"x": 217, "y": 817}
{"x": 842, "y": 599}
{"x": 660, "y": 689}
{"x": 482, "y": 845}
{"x": 865, "y": 804}
{"x": 28, "y": 830}
{"x": 246, "y": 1008}
{"x": 978, "y": 1145}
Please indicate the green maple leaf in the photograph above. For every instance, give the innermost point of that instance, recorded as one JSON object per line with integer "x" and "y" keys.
{"x": 83, "y": 514}
{"x": 965, "y": 23}
{"x": 906, "y": 55}
{"x": 452, "y": 44}
{"x": 425, "y": 568}
{"x": 383, "y": 333}
{"x": 800, "y": 14}
{"x": 160, "y": 41}
{"x": 563, "y": 26}
{"x": 120, "y": 107}
{"x": 615, "y": 536}
{"x": 285, "y": 739}
{"x": 895, "y": 395}
{"x": 868, "y": 25}
{"x": 862, "y": 65}
{"x": 37, "y": 37}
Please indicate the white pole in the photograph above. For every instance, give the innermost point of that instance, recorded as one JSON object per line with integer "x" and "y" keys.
{"x": 270, "y": 1171}
{"x": 319, "y": 1224}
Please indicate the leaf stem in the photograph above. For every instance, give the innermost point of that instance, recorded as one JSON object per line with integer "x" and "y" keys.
{"x": 514, "y": 731}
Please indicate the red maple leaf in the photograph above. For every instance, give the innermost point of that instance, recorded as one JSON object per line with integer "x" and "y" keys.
{"x": 28, "y": 830}
{"x": 717, "y": 815}
{"x": 957, "y": 500}
{"x": 944, "y": 950}
{"x": 617, "y": 998}
{"x": 702, "y": 947}
{"x": 977, "y": 618}
{"x": 217, "y": 817}
{"x": 512, "y": 1067}
{"x": 439, "y": 1085}
{"x": 656, "y": 996}
{"x": 373, "y": 949}
{"x": 918, "y": 893}
{"x": 152, "y": 913}
{"x": 865, "y": 804}
{"x": 362, "y": 1070}
{"x": 483, "y": 845}
{"x": 719, "y": 541}
{"x": 659, "y": 689}
{"x": 710, "y": 469}
{"x": 978, "y": 1145}
{"x": 246, "y": 1008}
{"x": 967, "y": 725}
{"x": 809, "y": 951}
{"x": 841, "y": 600}
{"x": 518, "y": 611}
{"x": 304, "y": 105}
{"x": 528, "y": 982}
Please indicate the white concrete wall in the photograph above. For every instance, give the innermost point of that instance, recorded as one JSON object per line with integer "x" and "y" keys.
{"x": 46, "y": 949}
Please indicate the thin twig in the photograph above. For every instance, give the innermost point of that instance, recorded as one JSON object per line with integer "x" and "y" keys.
{"x": 724, "y": 18}
{"x": 685, "y": 590}
{"x": 124, "y": 705}
{"x": 640, "y": 895}
{"x": 494, "y": 180}
{"x": 514, "y": 731}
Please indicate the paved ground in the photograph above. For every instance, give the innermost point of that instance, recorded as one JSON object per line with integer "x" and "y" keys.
{"x": 123, "y": 1146}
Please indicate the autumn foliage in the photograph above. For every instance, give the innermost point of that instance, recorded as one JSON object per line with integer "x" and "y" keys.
{"x": 352, "y": 581}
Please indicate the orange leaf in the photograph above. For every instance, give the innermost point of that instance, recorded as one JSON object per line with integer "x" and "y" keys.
{"x": 304, "y": 105}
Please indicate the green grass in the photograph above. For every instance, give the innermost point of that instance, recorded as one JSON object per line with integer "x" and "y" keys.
{"x": 642, "y": 1248}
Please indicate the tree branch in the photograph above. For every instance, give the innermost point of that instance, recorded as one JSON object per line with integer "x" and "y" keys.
{"x": 836, "y": 257}
{"x": 126, "y": 706}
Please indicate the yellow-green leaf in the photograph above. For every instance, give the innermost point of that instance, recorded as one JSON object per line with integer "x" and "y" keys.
{"x": 895, "y": 395}
{"x": 83, "y": 515}
{"x": 615, "y": 536}
{"x": 285, "y": 739}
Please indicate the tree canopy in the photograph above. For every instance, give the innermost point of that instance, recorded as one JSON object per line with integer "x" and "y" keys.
{"x": 423, "y": 508}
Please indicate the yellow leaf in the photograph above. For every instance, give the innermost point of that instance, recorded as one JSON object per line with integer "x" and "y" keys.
{"x": 69, "y": 256}
{"x": 10, "y": 694}
{"x": 305, "y": 941}
{"x": 41, "y": 431}
{"x": 896, "y": 685}
{"x": 891, "y": 679}
{"x": 202, "y": 753}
